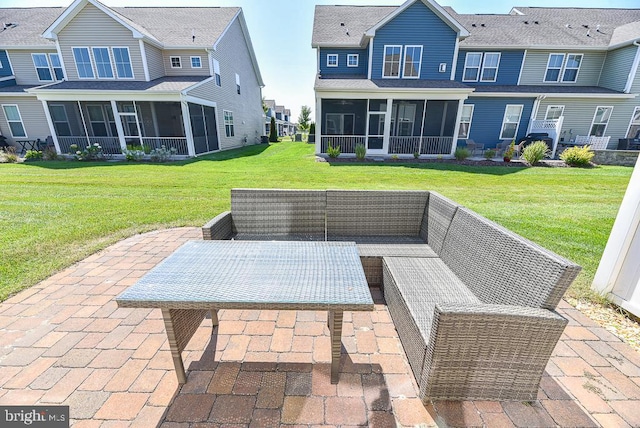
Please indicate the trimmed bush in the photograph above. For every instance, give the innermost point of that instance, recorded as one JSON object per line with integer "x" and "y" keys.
{"x": 577, "y": 156}
{"x": 361, "y": 151}
{"x": 535, "y": 152}
{"x": 333, "y": 152}
{"x": 273, "y": 131}
{"x": 33, "y": 155}
{"x": 462, "y": 153}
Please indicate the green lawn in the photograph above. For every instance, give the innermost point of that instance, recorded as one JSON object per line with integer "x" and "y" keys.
{"x": 55, "y": 213}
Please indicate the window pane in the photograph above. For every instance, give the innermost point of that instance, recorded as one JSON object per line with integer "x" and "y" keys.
{"x": 196, "y": 62}
{"x": 473, "y": 59}
{"x": 17, "y": 129}
{"x": 573, "y": 61}
{"x": 11, "y": 112}
{"x": 556, "y": 61}
{"x": 491, "y": 59}
{"x": 552, "y": 75}
{"x": 602, "y": 115}
{"x": 40, "y": 60}
{"x": 509, "y": 131}
{"x": 570, "y": 75}
{"x": 554, "y": 113}
{"x": 123, "y": 62}
{"x": 392, "y": 61}
{"x": 55, "y": 60}
{"x": 489, "y": 74}
{"x": 83, "y": 62}
{"x": 58, "y": 113}
{"x": 471, "y": 74}
{"x": 463, "y": 131}
{"x": 59, "y": 73}
{"x": 467, "y": 111}
{"x": 103, "y": 62}
{"x": 597, "y": 130}
{"x": 44, "y": 74}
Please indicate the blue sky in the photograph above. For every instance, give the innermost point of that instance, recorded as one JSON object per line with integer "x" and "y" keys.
{"x": 281, "y": 33}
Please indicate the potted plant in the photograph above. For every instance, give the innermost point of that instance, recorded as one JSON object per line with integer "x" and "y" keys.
{"x": 508, "y": 153}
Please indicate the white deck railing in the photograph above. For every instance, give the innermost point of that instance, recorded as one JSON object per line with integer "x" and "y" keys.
{"x": 110, "y": 145}
{"x": 178, "y": 143}
{"x": 347, "y": 143}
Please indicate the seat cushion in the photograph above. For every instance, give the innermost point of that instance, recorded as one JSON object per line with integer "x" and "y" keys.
{"x": 289, "y": 237}
{"x": 412, "y": 287}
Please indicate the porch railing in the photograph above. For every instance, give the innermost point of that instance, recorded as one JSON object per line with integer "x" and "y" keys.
{"x": 110, "y": 145}
{"x": 422, "y": 145}
{"x": 178, "y": 143}
{"x": 540, "y": 125}
{"x": 347, "y": 143}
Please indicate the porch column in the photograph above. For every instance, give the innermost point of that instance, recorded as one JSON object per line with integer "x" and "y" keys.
{"x": 387, "y": 126}
{"x": 454, "y": 144}
{"x": 47, "y": 113}
{"x": 318, "y": 124}
{"x": 119, "y": 128}
{"x": 186, "y": 120}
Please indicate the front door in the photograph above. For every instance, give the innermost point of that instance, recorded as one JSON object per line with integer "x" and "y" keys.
{"x": 375, "y": 134}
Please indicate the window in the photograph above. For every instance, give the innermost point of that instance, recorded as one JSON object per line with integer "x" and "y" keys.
{"x": 554, "y": 66}
{"x": 57, "y": 66}
{"x": 511, "y": 121}
{"x": 123, "y": 63}
{"x": 412, "y": 62}
{"x": 238, "y": 83}
{"x": 196, "y": 62}
{"x": 403, "y": 116}
{"x": 83, "y": 63}
{"x": 600, "y": 121}
{"x": 490, "y": 67}
{"x": 391, "y": 67}
{"x": 14, "y": 120}
{"x": 97, "y": 121}
{"x": 634, "y": 125}
{"x": 216, "y": 72}
{"x": 332, "y": 60}
{"x": 572, "y": 67}
{"x": 41, "y": 63}
{"x": 472, "y": 67}
{"x": 176, "y": 62}
{"x": 554, "y": 112}
{"x": 60, "y": 120}
{"x": 465, "y": 121}
{"x": 352, "y": 60}
{"x": 103, "y": 63}
{"x": 228, "y": 123}
{"x": 340, "y": 123}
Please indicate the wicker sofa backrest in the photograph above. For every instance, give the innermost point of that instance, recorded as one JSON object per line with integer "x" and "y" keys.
{"x": 500, "y": 267}
{"x": 278, "y": 212}
{"x": 375, "y": 212}
{"x": 436, "y": 220}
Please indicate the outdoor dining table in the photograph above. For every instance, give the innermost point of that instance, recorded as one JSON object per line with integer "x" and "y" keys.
{"x": 206, "y": 276}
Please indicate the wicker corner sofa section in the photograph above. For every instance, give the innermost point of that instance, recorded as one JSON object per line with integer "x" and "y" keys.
{"x": 473, "y": 303}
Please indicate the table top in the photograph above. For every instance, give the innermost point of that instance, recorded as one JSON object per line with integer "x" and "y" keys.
{"x": 255, "y": 275}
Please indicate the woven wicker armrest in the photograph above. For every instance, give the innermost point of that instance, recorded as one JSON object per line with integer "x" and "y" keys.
{"x": 490, "y": 352}
{"x": 220, "y": 227}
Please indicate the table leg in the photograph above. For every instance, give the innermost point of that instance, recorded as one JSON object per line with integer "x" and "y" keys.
{"x": 335, "y": 330}
{"x": 181, "y": 324}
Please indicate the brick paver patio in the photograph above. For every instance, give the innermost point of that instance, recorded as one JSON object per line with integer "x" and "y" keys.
{"x": 64, "y": 341}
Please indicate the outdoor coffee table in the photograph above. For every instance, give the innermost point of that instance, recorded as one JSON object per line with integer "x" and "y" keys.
{"x": 205, "y": 276}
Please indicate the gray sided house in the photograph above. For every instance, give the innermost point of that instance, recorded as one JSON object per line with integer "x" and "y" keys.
{"x": 421, "y": 78}
{"x": 129, "y": 78}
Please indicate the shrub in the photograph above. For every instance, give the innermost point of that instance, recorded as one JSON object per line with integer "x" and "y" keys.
{"x": 462, "y": 153}
{"x": 50, "y": 154}
{"x": 33, "y": 155}
{"x": 91, "y": 152}
{"x": 273, "y": 131}
{"x": 73, "y": 148}
{"x": 394, "y": 157}
{"x": 162, "y": 154}
{"x": 416, "y": 155}
{"x": 133, "y": 155}
{"x": 361, "y": 151}
{"x": 510, "y": 150}
{"x": 577, "y": 156}
{"x": 535, "y": 152}
{"x": 333, "y": 152}
{"x": 489, "y": 154}
{"x": 8, "y": 155}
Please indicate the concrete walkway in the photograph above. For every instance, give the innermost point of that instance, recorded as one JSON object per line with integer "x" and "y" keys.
{"x": 64, "y": 341}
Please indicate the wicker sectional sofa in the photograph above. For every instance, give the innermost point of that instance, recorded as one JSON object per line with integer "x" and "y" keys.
{"x": 473, "y": 303}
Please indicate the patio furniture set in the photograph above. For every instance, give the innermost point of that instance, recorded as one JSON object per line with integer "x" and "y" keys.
{"x": 473, "y": 303}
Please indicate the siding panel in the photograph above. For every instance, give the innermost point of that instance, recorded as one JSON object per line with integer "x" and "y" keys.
{"x": 155, "y": 61}
{"x": 617, "y": 67}
{"x": 23, "y": 67}
{"x": 508, "y": 70}
{"x": 92, "y": 27}
{"x": 535, "y": 66}
{"x": 185, "y": 59}
{"x": 342, "y": 69}
{"x": 33, "y": 118}
{"x": 488, "y": 114}
{"x": 418, "y": 25}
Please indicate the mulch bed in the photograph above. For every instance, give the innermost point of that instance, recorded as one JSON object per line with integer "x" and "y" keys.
{"x": 467, "y": 162}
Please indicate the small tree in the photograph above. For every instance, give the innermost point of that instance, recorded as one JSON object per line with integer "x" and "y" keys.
{"x": 273, "y": 131}
{"x": 304, "y": 118}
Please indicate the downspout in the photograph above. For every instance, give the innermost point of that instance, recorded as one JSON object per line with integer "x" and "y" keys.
{"x": 634, "y": 68}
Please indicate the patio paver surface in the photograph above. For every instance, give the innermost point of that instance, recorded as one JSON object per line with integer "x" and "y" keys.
{"x": 65, "y": 341}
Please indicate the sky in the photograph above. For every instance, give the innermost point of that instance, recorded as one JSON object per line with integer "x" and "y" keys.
{"x": 281, "y": 33}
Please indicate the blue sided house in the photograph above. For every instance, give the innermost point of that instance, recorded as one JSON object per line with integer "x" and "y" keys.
{"x": 421, "y": 78}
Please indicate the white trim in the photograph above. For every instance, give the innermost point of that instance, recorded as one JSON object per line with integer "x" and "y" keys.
{"x": 115, "y": 63}
{"x": 402, "y": 93}
{"x": 5, "y": 78}
{"x": 546, "y": 113}
{"x": 497, "y": 67}
{"x": 75, "y": 61}
{"x": 188, "y": 132}
{"x": 336, "y": 56}
{"x": 504, "y": 118}
{"x": 318, "y": 124}
{"x": 179, "y": 58}
{"x": 454, "y": 63}
{"x": 119, "y": 128}
{"x": 637, "y": 108}
{"x": 369, "y": 71}
{"x": 199, "y": 60}
{"x": 318, "y": 60}
{"x": 564, "y": 67}
{"x": 459, "y": 122}
{"x": 534, "y": 113}
{"x": 21, "y": 121}
{"x": 606, "y": 125}
{"x": 356, "y": 56}
{"x": 145, "y": 65}
{"x": 384, "y": 54}
{"x": 546, "y": 70}
{"x": 52, "y": 128}
{"x": 46, "y": 57}
{"x": 435, "y": 8}
{"x": 524, "y": 59}
{"x": 404, "y": 61}
{"x": 576, "y": 95}
{"x": 111, "y": 63}
{"x": 464, "y": 69}
{"x": 197, "y": 100}
{"x": 454, "y": 145}
{"x": 632, "y": 73}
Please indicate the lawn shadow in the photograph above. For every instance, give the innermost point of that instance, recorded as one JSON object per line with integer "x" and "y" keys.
{"x": 438, "y": 165}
